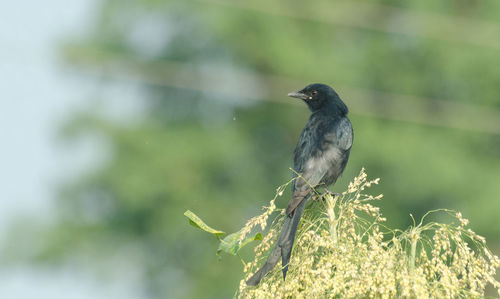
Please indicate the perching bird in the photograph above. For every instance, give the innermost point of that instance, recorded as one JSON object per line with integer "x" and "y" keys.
{"x": 319, "y": 157}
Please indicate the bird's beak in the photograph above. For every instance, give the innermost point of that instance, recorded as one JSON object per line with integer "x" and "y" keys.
{"x": 298, "y": 95}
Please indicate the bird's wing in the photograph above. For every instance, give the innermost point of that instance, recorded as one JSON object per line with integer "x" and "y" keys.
{"x": 344, "y": 134}
{"x": 330, "y": 155}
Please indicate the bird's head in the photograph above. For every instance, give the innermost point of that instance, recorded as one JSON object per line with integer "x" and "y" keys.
{"x": 318, "y": 96}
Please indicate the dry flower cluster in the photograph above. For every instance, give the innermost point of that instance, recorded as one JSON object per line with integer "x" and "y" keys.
{"x": 343, "y": 250}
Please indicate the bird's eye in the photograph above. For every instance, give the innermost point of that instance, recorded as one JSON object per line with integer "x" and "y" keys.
{"x": 314, "y": 92}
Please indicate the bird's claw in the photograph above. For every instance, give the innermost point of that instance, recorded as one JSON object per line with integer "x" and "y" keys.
{"x": 318, "y": 197}
{"x": 334, "y": 194}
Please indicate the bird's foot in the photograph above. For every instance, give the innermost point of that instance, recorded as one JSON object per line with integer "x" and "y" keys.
{"x": 317, "y": 197}
{"x": 321, "y": 196}
{"x": 331, "y": 193}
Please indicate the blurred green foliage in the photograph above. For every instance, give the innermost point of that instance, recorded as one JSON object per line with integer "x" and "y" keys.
{"x": 222, "y": 157}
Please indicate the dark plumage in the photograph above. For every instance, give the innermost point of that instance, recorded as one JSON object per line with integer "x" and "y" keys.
{"x": 320, "y": 157}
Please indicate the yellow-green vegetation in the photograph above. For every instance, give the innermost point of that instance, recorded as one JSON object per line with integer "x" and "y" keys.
{"x": 344, "y": 250}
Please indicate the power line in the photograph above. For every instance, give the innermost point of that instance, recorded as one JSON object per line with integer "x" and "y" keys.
{"x": 382, "y": 18}
{"x": 236, "y": 84}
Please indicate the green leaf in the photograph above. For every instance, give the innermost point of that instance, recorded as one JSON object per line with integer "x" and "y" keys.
{"x": 195, "y": 221}
{"x": 230, "y": 243}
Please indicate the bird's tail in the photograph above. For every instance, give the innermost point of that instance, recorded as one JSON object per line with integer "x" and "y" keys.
{"x": 283, "y": 247}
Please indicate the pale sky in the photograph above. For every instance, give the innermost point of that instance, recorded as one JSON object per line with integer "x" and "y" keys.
{"x": 36, "y": 95}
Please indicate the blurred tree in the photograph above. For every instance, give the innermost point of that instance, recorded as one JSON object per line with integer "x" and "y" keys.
{"x": 204, "y": 143}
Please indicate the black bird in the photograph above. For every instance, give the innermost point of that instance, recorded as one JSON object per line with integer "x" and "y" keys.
{"x": 320, "y": 157}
